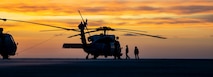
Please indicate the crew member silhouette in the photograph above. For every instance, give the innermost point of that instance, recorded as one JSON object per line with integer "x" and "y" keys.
{"x": 117, "y": 49}
{"x": 127, "y": 51}
{"x": 3, "y": 52}
{"x": 136, "y": 51}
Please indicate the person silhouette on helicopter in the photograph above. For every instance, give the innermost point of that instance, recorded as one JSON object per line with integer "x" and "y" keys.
{"x": 3, "y": 51}
{"x": 81, "y": 26}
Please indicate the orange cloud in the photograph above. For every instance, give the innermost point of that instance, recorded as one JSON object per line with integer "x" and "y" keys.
{"x": 108, "y": 7}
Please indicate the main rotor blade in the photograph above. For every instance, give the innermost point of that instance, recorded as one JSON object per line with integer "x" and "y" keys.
{"x": 80, "y": 34}
{"x": 3, "y": 19}
{"x": 116, "y": 29}
{"x": 149, "y": 35}
{"x": 130, "y": 30}
{"x": 50, "y": 30}
{"x": 41, "y": 24}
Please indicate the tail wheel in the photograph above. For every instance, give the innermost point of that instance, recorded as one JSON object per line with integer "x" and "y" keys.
{"x": 95, "y": 56}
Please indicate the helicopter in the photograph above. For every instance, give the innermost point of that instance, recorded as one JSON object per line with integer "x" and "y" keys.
{"x": 8, "y": 46}
{"x": 95, "y": 45}
{"x": 103, "y": 44}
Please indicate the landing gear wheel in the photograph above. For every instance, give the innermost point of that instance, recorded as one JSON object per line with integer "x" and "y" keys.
{"x": 119, "y": 57}
{"x": 95, "y": 57}
{"x": 5, "y": 56}
{"x": 115, "y": 57}
{"x": 87, "y": 56}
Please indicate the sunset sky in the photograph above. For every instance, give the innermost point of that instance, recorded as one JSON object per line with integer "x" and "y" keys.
{"x": 188, "y": 25}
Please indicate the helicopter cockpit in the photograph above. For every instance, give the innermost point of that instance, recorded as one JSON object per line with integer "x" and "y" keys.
{"x": 101, "y": 38}
{"x": 103, "y": 43}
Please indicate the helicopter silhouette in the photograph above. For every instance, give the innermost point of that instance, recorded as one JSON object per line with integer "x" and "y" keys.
{"x": 95, "y": 45}
{"x": 8, "y": 46}
{"x": 103, "y": 44}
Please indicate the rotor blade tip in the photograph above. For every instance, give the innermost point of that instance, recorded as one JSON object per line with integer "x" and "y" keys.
{"x": 165, "y": 37}
{"x": 3, "y": 19}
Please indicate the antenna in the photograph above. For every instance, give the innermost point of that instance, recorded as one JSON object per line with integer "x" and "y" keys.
{"x": 85, "y": 23}
{"x": 81, "y": 16}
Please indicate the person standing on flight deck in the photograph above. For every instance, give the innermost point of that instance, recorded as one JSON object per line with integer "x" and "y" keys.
{"x": 127, "y": 51}
{"x": 136, "y": 51}
{"x": 117, "y": 53}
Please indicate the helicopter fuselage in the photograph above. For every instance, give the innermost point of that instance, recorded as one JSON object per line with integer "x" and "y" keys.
{"x": 101, "y": 45}
{"x": 7, "y": 45}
